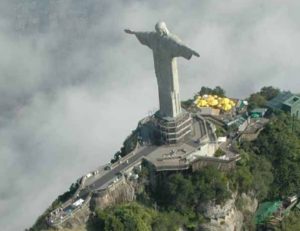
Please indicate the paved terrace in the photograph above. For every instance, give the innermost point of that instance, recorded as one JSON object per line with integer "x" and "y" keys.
{"x": 179, "y": 157}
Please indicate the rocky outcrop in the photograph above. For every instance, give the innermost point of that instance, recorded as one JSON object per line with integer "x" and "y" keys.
{"x": 232, "y": 222}
{"x": 118, "y": 193}
{"x": 225, "y": 217}
{"x": 248, "y": 203}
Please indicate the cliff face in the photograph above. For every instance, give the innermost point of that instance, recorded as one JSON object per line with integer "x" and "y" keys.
{"x": 121, "y": 192}
{"x": 227, "y": 217}
{"x": 248, "y": 204}
{"x": 233, "y": 222}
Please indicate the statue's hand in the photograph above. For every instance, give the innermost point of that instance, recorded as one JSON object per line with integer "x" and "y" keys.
{"x": 129, "y": 31}
{"x": 196, "y": 54}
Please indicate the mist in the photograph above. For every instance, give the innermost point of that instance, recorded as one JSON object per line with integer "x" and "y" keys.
{"x": 73, "y": 85}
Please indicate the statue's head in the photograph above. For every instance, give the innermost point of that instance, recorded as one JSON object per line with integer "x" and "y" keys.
{"x": 161, "y": 28}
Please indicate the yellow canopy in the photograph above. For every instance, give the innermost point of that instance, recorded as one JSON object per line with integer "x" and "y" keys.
{"x": 202, "y": 103}
{"x": 215, "y": 101}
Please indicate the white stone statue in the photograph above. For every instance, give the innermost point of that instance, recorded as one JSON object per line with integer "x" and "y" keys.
{"x": 166, "y": 47}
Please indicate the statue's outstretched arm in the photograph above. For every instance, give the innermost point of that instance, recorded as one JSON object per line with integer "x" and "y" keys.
{"x": 184, "y": 51}
{"x": 145, "y": 38}
{"x": 179, "y": 48}
{"x": 195, "y": 53}
{"x": 129, "y": 31}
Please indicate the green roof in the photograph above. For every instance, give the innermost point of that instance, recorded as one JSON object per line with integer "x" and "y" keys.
{"x": 265, "y": 210}
{"x": 259, "y": 110}
{"x": 292, "y": 100}
{"x": 255, "y": 115}
{"x": 276, "y": 102}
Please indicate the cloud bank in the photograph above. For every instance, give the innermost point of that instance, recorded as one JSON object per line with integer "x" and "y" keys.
{"x": 73, "y": 84}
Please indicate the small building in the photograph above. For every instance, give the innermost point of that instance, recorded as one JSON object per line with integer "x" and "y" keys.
{"x": 258, "y": 112}
{"x": 287, "y": 102}
{"x": 291, "y": 199}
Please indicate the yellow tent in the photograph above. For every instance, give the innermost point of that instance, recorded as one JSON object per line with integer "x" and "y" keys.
{"x": 227, "y": 107}
{"x": 202, "y": 103}
{"x": 214, "y": 101}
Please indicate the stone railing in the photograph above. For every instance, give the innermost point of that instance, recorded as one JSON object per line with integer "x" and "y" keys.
{"x": 172, "y": 167}
{"x": 223, "y": 164}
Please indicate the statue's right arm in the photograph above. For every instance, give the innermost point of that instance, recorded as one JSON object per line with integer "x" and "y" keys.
{"x": 129, "y": 31}
{"x": 145, "y": 38}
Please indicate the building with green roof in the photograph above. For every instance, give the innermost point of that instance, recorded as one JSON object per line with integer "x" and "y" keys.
{"x": 287, "y": 102}
{"x": 258, "y": 112}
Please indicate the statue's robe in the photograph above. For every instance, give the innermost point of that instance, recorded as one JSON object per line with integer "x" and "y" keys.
{"x": 165, "y": 48}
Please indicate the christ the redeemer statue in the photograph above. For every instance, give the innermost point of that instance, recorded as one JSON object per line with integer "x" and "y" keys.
{"x": 166, "y": 47}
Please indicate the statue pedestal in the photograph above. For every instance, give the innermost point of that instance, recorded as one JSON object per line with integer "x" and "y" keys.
{"x": 174, "y": 130}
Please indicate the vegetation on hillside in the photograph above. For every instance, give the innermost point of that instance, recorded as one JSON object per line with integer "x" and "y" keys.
{"x": 134, "y": 216}
{"x": 183, "y": 192}
{"x": 173, "y": 204}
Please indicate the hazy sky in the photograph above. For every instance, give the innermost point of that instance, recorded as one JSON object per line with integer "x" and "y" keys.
{"x": 73, "y": 84}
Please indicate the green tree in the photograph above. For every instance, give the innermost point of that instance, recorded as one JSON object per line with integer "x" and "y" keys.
{"x": 218, "y": 91}
{"x": 242, "y": 178}
{"x": 209, "y": 91}
{"x": 168, "y": 221}
{"x": 280, "y": 145}
{"x": 134, "y": 216}
{"x": 269, "y": 92}
{"x": 183, "y": 192}
{"x": 261, "y": 170}
{"x": 256, "y": 100}
{"x": 292, "y": 222}
{"x": 180, "y": 190}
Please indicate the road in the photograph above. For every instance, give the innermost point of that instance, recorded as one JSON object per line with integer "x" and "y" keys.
{"x": 201, "y": 128}
{"x": 112, "y": 173}
{"x": 211, "y": 133}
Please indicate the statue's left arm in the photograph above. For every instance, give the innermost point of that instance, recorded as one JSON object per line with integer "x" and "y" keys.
{"x": 180, "y": 49}
{"x": 184, "y": 51}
